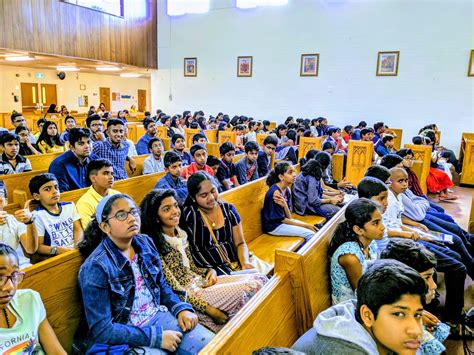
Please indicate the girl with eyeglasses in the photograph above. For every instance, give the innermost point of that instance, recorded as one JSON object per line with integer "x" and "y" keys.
{"x": 126, "y": 298}
{"x": 24, "y": 328}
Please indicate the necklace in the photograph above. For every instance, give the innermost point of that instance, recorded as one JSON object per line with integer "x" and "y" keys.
{"x": 213, "y": 223}
{"x": 6, "y": 318}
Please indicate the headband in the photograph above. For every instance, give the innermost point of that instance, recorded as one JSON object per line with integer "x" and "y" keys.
{"x": 100, "y": 208}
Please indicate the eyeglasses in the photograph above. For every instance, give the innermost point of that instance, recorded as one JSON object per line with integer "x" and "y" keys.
{"x": 123, "y": 215}
{"x": 15, "y": 278}
{"x": 18, "y": 121}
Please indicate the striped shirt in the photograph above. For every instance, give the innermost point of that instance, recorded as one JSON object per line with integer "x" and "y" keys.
{"x": 22, "y": 164}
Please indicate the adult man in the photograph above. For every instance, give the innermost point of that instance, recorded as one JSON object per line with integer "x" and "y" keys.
{"x": 142, "y": 145}
{"x": 18, "y": 120}
{"x": 70, "y": 167}
{"x": 94, "y": 123}
{"x": 115, "y": 149}
{"x": 100, "y": 174}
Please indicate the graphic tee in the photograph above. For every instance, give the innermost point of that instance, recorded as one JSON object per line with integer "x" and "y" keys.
{"x": 22, "y": 338}
{"x": 57, "y": 229}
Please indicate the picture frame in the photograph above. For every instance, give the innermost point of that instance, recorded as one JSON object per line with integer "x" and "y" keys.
{"x": 244, "y": 66}
{"x": 309, "y": 65}
{"x": 470, "y": 69}
{"x": 190, "y": 67}
{"x": 387, "y": 63}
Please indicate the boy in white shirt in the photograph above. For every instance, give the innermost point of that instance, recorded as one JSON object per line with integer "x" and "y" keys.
{"x": 57, "y": 223}
{"x": 154, "y": 162}
{"x": 14, "y": 232}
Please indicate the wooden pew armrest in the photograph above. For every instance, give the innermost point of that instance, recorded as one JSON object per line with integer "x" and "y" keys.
{"x": 20, "y": 197}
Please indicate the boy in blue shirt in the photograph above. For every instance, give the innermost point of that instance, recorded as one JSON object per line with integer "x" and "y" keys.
{"x": 179, "y": 144}
{"x": 247, "y": 166}
{"x": 263, "y": 160}
{"x": 227, "y": 171}
{"x": 172, "y": 179}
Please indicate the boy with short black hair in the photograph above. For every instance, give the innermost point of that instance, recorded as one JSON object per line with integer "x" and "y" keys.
{"x": 178, "y": 143}
{"x": 386, "y": 317}
{"x": 247, "y": 166}
{"x": 11, "y": 162}
{"x": 154, "y": 162}
{"x": 100, "y": 174}
{"x": 142, "y": 144}
{"x": 213, "y": 163}
{"x": 269, "y": 146}
{"x": 199, "y": 154}
{"x": 227, "y": 172}
{"x": 172, "y": 179}
{"x": 57, "y": 223}
{"x": 385, "y": 145}
{"x": 70, "y": 123}
{"x": 367, "y": 134}
{"x": 200, "y": 138}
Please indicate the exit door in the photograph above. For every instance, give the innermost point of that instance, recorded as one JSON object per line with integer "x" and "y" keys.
{"x": 29, "y": 96}
{"x": 141, "y": 100}
{"x": 48, "y": 95}
{"x": 104, "y": 94}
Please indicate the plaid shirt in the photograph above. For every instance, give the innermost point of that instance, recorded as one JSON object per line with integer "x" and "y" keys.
{"x": 117, "y": 156}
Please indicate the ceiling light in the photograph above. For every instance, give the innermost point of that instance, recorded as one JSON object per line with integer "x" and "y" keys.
{"x": 130, "y": 75}
{"x": 108, "y": 68}
{"x": 67, "y": 68}
{"x": 19, "y": 58}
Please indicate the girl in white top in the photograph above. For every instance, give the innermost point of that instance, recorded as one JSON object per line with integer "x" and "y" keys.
{"x": 24, "y": 328}
{"x": 14, "y": 232}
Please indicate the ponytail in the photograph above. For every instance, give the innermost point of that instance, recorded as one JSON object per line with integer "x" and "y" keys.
{"x": 358, "y": 213}
{"x": 273, "y": 175}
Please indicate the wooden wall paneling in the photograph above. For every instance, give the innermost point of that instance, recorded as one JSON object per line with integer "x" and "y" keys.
{"x": 359, "y": 158}
{"x": 307, "y": 143}
{"x": 80, "y": 32}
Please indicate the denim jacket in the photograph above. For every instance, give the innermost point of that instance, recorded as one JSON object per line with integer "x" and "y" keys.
{"x": 108, "y": 288}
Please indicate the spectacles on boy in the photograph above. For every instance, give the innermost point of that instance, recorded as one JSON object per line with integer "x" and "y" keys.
{"x": 15, "y": 278}
{"x": 123, "y": 215}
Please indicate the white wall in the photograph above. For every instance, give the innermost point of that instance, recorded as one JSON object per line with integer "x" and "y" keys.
{"x": 434, "y": 39}
{"x": 68, "y": 89}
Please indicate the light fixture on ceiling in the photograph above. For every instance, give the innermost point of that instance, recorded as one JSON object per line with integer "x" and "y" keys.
{"x": 180, "y": 7}
{"x": 108, "y": 68}
{"x": 18, "y": 58}
{"x": 130, "y": 75}
{"x": 67, "y": 68}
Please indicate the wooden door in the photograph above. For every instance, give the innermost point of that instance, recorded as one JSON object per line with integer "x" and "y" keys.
{"x": 104, "y": 94}
{"x": 49, "y": 95}
{"x": 29, "y": 96}
{"x": 141, "y": 100}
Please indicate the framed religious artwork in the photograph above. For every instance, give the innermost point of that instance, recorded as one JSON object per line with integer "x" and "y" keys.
{"x": 244, "y": 66}
{"x": 190, "y": 66}
{"x": 387, "y": 63}
{"x": 309, "y": 65}
{"x": 470, "y": 70}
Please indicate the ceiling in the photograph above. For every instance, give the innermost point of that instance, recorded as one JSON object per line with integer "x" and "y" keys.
{"x": 44, "y": 61}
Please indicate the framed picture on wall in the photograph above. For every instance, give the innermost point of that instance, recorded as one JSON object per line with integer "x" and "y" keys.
{"x": 387, "y": 63}
{"x": 470, "y": 70}
{"x": 309, "y": 65}
{"x": 190, "y": 66}
{"x": 244, "y": 66}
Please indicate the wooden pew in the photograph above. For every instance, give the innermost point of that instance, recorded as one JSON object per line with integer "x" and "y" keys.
{"x": 42, "y": 161}
{"x": 466, "y": 155}
{"x": 227, "y": 136}
{"x": 161, "y": 132}
{"x": 471, "y": 217}
{"x": 213, "y": 149}
{"x": 359, "y": 158}
{"x": 421, "y": 166}
{"x": 338, "y": 167}
{"x": 17, "y": 185}
{"x": 398, "y": 137}
{"x": 307, "y": 143}
{"x": 139, "y": 159}
{"x": 272, "y": 126}
{"x": 56, "y": 281}
{"x": 188, "y": 135}
{"x": 260, "y": 138}
{"x": 211, "y": 135}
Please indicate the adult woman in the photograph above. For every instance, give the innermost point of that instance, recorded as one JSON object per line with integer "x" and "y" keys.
{"x": 216, "y": 298}
{"x": 214, "y": 228}
{"x": 126, "y": 299}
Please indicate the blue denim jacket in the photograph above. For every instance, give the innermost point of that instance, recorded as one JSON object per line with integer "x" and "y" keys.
{"x": 108, "y": 288}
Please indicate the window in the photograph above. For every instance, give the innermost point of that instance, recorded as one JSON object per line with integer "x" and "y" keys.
{"x": 113, "y": 7}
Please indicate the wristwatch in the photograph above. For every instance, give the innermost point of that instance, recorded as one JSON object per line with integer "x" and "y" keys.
{"x": 54, "y": 251}
{"x": 31, "y": 220}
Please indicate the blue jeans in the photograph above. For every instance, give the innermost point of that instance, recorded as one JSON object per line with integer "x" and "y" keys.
{"x": 192, "y": 341}
{"x": 449, "y": 263}
{"x": 445, "y": 221}
{"x": 435, "y": 207}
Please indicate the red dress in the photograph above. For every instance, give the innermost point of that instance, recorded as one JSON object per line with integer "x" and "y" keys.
{"x": 438, "y": 181}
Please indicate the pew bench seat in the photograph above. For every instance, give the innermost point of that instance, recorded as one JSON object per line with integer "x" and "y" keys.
{"x": 265, "y": 245}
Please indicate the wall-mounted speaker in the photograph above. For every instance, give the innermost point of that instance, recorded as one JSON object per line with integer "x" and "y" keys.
{"x": 62, "y": 75}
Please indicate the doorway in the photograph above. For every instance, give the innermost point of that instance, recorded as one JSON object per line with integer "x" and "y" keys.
{"x": 29, "y": 97}
{"x": 49, "y": 95}
{"x": 104, "y": 94}
{"x": 141, "y": 100}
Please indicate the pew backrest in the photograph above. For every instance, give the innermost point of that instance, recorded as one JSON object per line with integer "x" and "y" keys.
{"x": 307, "y": 143}
{"x": 227, "y": 136}
{"x": 42, "y": 161}
{"x": 466, "y": 155}
{"x": 359, "y": 158}
{"x": 398, "y": 132}
{"x": 422, "y": 163}
{"x": 211, "y": 135}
